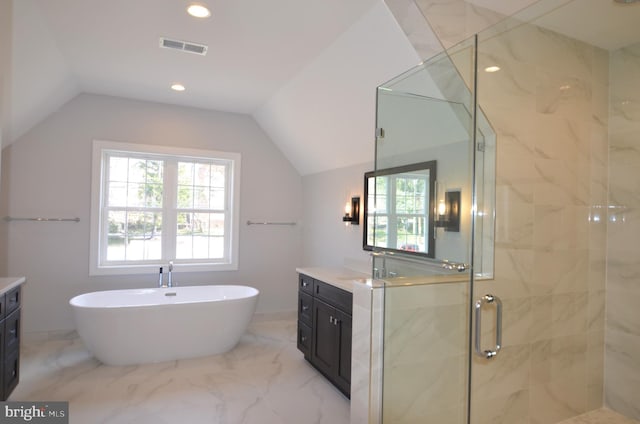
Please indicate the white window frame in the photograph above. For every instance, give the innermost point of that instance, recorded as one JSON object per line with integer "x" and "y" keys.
{"x": 96, "y": 252}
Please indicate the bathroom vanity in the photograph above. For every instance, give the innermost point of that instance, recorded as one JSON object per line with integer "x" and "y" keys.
{"x": 325, "y": 305}
{"x": 10, "y": 301}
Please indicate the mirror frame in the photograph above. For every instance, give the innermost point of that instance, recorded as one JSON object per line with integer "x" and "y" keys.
{"x": 432, "y": 167}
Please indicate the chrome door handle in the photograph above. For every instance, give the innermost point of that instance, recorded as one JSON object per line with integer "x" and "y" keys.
{"x": 488, "y": 299}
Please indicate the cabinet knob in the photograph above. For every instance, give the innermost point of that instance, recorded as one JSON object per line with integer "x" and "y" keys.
{"x": 305, "y": 284}
{"x": 303, "y": 339}
{"x": 305, "y": 307}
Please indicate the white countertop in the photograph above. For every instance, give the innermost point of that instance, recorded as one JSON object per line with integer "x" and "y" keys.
{"x": 342, "y": 278}
{"x": 7, "y": 283}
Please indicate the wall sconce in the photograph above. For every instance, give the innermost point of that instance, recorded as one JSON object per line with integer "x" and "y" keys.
{"x": 352, "y": 211}
{"x": 448, "y": 212}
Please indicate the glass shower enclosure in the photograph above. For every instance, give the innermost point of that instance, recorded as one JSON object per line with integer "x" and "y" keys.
{"x": 527, "y": 312}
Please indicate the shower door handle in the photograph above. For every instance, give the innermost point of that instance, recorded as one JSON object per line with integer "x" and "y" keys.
{"x": 488, "y": 299}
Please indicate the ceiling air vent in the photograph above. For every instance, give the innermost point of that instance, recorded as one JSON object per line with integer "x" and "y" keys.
{"x": 184, "y": 46}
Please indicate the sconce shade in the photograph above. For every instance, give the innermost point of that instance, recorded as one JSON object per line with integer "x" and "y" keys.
{"x": 353, "y": 216}
{"x": 449, "y": 218}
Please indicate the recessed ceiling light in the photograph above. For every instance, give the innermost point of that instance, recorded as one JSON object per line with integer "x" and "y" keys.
{"x": 198, "y": 11}
{"x": 178, "y": 87}
{"x": 492, "y": 69}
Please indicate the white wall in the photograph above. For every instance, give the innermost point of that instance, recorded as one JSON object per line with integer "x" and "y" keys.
{"x": 5, "y": 103}
{"x": 327, "y": 240}
{"x": 324, "y": 118}
{"x": 36, "y": 94}
{"x": 47, "y": 173}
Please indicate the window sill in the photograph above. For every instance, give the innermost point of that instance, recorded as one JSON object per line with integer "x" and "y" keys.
{"x": 153, "y": 269}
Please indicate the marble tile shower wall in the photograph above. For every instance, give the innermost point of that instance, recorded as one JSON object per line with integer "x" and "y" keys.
{"x": 549, "y": 107}
{"x": 425, "y": 353}
{"x": 622, "y": 383}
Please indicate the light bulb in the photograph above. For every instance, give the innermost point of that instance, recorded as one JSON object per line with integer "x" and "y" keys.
{"x": 198, "y": 11}
{"x": 442, "y": 208}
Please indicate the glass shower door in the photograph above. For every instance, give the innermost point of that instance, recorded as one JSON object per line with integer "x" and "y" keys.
{"x": 562, "y": 101}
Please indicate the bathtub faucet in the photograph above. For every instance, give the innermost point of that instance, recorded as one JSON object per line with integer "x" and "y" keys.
{"x": 170, "y": 282}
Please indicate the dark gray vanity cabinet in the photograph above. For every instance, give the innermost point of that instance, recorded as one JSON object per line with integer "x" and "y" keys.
{"x": 324, "y": 329}
{"x": 9, "y": 341}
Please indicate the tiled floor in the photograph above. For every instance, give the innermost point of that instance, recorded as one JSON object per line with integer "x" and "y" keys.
{"x": 264, "y": 380}
{"x": 600, "y": 416}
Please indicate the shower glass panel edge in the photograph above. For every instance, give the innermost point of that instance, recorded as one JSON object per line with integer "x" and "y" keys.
{"x": 425, "y": 114}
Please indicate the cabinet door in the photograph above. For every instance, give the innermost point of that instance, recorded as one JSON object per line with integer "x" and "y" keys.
{"x": 324, "y": 347}
{"x": 304, "y": 339}
{"x": 3, "y": 394}
{"x": 343, "y": 368}
{"x": 11, "y": 373}
{"x": 12, "y": 332}
{"x": 305, "y": 308}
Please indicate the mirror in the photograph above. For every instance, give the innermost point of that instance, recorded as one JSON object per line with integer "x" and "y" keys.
{"x": 428, "y": 114}
{"x": 399, "y": 206}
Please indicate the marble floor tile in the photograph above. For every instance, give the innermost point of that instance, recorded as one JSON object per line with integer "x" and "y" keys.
{"x": 264, "y": 380}
{"x": 600, "y": 416}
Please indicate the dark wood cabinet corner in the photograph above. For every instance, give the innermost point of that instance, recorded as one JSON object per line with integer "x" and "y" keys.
{"x": 324, "y": 330}
{"x": 10, "y": 341}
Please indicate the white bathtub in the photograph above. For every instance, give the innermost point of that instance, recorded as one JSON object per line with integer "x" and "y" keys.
{"x": 127, "y": 327}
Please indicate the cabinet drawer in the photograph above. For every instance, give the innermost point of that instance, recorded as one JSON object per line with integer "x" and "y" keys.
{"x": 11, "y": 373}
{"x": 305, "y": 308}
{"x": 305, "y": 283}
{"x": 334, "y": 296}
{"x": 12, "y": 300}
{"x": 304, "y": 338}
{"x": 12, "y": 332}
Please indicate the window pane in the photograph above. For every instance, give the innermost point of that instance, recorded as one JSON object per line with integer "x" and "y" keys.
{"x": 200, "y": 247}
{"x": 134, "y": 236}
{"x": 380, "y": 231}
{"x": 216, "y": 247}
{"x": 194, "y": 233}
{"x": 216, "y": 224}
{"x": 135, "y": 195}
{"x": 117, "y": 194}
{"x": 218, "y": 176}
{"x": 217, "y": 198}
{"x": 137, "y": 170}
{"x": 185, "y": 173}
{"x": 201, "y": 200}
{"x": 143, "y": 236}
{"x": 135, "y": 182}
{"x": 118, "y": 169}
{"x": 153, "y": 195}
{"x": 202, "y": 174}
{"x": 116, "y": 236}
{"x": 205, "y": 189}
{"x": 185, "y": 197}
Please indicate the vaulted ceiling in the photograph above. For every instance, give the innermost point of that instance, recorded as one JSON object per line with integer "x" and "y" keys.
{"x": 306, "y": 69}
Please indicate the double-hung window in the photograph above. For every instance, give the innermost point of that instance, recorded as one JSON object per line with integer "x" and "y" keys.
{"x": 154, "y": 204}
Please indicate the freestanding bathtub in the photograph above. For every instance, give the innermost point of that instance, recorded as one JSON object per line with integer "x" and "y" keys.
{"x": 127, "y": 327}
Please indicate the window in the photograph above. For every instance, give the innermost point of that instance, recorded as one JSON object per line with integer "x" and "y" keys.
{"x": 153, "y": 204}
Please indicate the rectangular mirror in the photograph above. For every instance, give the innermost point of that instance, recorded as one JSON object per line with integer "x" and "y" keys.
{"x": 399, "y": 206}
